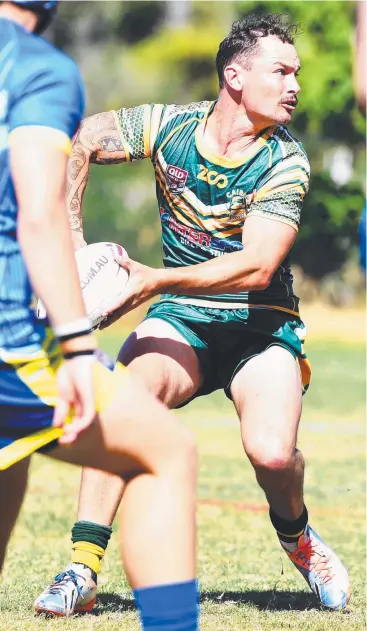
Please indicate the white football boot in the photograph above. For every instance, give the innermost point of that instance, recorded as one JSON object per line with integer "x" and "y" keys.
{"x": 73, "y": 591}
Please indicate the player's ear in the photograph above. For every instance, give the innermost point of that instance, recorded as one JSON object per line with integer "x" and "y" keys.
{"x": 233, "y": 76}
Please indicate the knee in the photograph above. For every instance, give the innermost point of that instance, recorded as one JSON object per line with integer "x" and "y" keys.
{"x": 272, "y": 457}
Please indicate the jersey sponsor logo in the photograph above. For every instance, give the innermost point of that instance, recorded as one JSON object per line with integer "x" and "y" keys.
{"x": 212, "y": 177}
{"x": 237, "y": 203}
{"x": 197, "y": 238}
{"x": 176, "y": 178}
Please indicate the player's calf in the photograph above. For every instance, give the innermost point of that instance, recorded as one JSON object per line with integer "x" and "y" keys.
{"x": 138, "y": 438}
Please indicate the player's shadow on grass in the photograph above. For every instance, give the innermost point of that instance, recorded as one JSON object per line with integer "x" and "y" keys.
{"x": 109, "y": 602}
{"x": 267, "y": 600}
{"x": 271, "y": 600}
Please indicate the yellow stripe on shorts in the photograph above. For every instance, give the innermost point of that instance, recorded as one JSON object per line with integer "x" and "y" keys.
{"x": 106, "y": 385}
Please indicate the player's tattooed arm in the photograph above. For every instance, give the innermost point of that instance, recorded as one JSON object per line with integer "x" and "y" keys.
{"x": 98, "y": 140}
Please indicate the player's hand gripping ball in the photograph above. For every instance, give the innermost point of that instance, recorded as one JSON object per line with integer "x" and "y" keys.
{"x": 102, "y": 280}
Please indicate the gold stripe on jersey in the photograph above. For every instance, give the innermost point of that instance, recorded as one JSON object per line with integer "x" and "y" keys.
{"x": 124, "y": 145}
{"x": 194, "y": 118}
{"x": 208, "y": 225}
{"x": 134, "y": 123}
{"x": 267, "y": 135}
{"x": 146, "y": 131}
{"x": 155, "y": 122}
{"x": 286, "y": 177}
{"x": 229, "y": 305}
{"x": 248, "y": 153}
{"x": 281, "y": 184}
{"x": 294, "y": 161}
{"x": 296, "y": 175}
{"x": 195, "y": 204}
{"x": 270, "y": 192}
{"x": 184, "y": 201}
{"x": 174, "y": 209}
{"x": 176, "y": 204}
{"x": 270, "y": 161}
{"x": 286, "y": 205}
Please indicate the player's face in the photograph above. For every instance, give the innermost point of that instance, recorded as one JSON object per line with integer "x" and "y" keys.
{"x": 270, "y": 86}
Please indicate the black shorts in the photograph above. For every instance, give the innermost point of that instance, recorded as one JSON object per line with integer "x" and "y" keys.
{"x": 225, "y": 339}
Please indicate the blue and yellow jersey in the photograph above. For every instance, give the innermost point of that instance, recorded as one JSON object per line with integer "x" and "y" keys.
{"x": 39, "y": 86}
{"x": 204, "y": 199}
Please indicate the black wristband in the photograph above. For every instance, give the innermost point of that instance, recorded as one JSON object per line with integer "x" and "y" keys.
{"x": 72, "y": 336}
{"x": 72, "y": 354}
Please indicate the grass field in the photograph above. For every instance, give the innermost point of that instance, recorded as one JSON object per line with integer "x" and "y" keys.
{"x": 247, "y": 582}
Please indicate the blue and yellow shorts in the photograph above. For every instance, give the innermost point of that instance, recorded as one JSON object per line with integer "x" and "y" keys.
{"x": 28, "y": 392}
{"x": 225, "y": 339}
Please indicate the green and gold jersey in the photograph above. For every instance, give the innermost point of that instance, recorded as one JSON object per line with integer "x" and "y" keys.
{"x": 204, "y": 199}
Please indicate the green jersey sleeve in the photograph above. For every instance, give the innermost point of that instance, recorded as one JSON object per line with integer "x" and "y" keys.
{"x": 279, "y": 194}
{"x": 139, "y": 128}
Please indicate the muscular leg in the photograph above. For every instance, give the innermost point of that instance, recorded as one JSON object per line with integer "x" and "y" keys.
{"x": 138, "y": 439}
{"x": 268, "y": 397}
{"x": 158, "y": 505}
{"x": 13, "y": 483}
{"x": 169, "y": 368}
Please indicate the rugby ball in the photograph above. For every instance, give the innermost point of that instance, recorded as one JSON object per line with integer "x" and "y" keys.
{"x": 101, "y": 279}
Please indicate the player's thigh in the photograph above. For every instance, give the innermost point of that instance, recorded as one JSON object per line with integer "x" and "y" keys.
{"x": 133, "y": 430}
{"x": 133, "y": 433}
{"x": 13, "y": 484}
{"x": 267, "y": 394}
{"x": 164, "y": 360}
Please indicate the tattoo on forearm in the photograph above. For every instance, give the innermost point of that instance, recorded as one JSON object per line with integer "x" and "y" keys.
{"x": 75, "y": 223}
{"x": 75, "y": 206}
{"x": 110, "y": 149}
{"x": 107, "y": 161}
{"x": 97, "y": 140}
{"x": 109, "y": 145}
{"x": 77, "y": 162}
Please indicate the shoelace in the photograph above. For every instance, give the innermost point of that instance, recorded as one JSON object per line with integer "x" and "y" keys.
{"x": 61, "y": 579}
{"x": 319, "y": 565}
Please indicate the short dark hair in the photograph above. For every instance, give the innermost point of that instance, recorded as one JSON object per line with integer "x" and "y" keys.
{"x": 242, "y": 41}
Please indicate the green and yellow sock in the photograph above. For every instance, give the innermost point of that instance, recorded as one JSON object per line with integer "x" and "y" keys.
{"x": 90, "y": 541}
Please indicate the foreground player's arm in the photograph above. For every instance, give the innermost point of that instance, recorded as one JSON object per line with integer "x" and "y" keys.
{"x": 39, "y": 175}
{"x": 38, "y": 166}
{"x": 43, "y": 118}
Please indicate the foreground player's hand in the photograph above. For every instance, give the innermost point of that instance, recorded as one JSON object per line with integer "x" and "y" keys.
{"x": 139, "y": 288}
{"x": 76, "y": 394}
